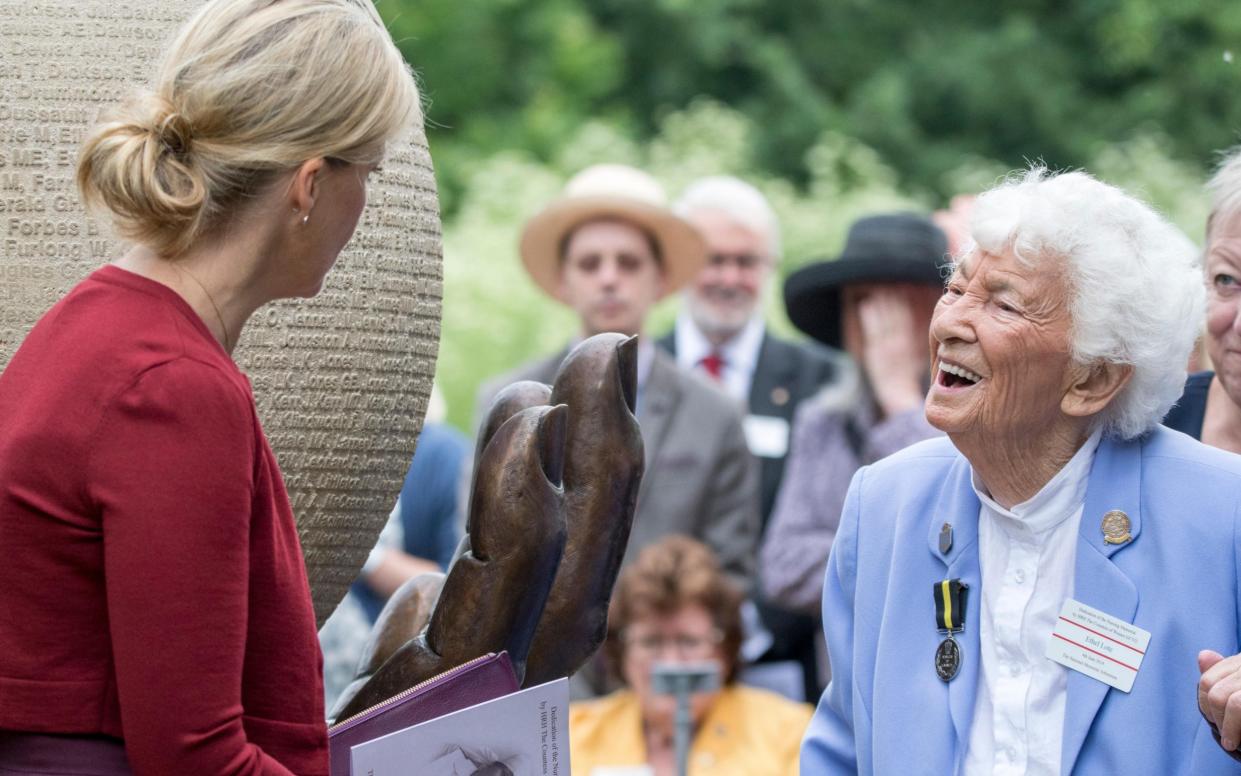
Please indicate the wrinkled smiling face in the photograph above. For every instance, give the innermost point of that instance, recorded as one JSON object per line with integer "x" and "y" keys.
{"x": 1000, "y": 348}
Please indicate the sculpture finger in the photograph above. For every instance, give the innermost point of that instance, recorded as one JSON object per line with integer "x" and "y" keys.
{"x": 604, "y": 461}
{"x": 516, "y": 542}
{"x": 404, "y": 616}
{"x": 511, "y": 399}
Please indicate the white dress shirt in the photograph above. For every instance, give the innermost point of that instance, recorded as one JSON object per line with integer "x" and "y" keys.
{"x": 740, "y": 354}
{"x": 1026, "y": 555}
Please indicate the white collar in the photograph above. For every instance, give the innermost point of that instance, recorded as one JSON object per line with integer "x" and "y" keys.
{"x": 740, "y": 352}
{"x": 1057, "y": 500}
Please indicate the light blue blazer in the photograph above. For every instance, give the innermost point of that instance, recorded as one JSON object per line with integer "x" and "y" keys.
{"x": 886, "y": 711}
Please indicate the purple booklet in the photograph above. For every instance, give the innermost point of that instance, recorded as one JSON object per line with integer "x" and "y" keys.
{"x": 479, "y": 680}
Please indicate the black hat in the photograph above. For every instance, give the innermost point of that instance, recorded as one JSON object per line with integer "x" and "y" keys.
{"x": 892, "y": 248}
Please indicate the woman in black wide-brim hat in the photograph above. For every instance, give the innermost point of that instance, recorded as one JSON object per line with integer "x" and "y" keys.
{"x": 874, "y": 302}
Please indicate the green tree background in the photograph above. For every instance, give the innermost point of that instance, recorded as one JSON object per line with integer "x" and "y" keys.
{"x": 834, "y": 109}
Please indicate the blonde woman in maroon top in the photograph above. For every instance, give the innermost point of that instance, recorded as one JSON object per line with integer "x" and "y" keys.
{"x": 155, "y": 615}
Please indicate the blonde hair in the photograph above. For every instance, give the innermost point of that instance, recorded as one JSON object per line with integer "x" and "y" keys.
{"x": 248, "y": 88}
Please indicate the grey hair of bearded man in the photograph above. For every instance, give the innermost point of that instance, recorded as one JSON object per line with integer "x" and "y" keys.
{"x": 1225, "y": 188}
{"x": 1135, "y": 281}
{"x": 736, "y": 199}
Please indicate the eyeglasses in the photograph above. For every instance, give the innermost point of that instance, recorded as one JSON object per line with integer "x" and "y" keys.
{"x": 743, "y": 261}
{"x": 687, "y": 645}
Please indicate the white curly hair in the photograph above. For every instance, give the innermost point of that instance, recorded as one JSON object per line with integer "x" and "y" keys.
{"x": 1136, "y": 280}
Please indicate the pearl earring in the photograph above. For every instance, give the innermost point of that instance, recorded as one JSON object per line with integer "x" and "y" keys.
{"x": 305, "y": 219}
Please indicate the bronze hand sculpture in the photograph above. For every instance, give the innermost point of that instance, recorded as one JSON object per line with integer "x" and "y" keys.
{"x": 497, "y": 589}
{"x": 493, "y": 595}
{"x": 413, "y": 602}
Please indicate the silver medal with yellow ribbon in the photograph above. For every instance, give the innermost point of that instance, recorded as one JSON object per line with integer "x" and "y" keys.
{"x": 949, "y": 620}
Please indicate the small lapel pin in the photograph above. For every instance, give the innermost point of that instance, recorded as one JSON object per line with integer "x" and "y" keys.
{"x": 1116, "y": 527}
{"x": 779, "y": 396}
{"x": 945, "y": 539}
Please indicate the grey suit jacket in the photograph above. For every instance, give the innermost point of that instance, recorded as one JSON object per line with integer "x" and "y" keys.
{"x": 700, "y": 479}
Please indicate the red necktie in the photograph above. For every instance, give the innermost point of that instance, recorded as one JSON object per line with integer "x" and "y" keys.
{"x": 713, "y": 364}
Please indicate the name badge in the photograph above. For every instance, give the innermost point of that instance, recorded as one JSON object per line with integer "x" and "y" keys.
{"x": 1098, "y": 645}
{"x": 767, "y": 436}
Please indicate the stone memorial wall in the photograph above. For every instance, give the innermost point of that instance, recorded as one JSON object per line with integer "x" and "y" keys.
{"x": 341, "y": 380}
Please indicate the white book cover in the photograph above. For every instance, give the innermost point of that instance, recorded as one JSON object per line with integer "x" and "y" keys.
{"x": 522, "y": 734}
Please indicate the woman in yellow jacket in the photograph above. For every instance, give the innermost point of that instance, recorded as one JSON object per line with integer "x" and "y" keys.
{"x": 674, "y": 605}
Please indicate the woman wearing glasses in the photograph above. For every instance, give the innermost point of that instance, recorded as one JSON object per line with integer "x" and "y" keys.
{"x": 673, "y": 606}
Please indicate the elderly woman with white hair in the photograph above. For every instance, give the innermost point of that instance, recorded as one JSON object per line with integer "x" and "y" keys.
{"x": 1030, "y": 595}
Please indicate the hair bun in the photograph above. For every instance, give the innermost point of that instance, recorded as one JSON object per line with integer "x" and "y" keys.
{"x": 138, "y": 166}
{"x": 173, "y": 130}
{"x": 246, "y": 93}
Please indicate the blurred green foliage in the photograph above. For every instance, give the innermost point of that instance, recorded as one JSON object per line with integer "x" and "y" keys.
{"x": 495, "y": 317}
{"x": 834, "y": 110}
{"x": 924, "y": 83}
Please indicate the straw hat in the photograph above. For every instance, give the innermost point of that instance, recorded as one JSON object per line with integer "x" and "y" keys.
{"x": 611, "y": 191}
{"x": 890, "y": 248}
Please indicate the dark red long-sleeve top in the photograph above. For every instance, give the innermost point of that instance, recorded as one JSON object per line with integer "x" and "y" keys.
{"x": 152, "y": 585}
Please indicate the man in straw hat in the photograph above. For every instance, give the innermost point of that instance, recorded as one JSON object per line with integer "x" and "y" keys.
{"x": 875, "y": 302}
{"x": 609, "y": 249}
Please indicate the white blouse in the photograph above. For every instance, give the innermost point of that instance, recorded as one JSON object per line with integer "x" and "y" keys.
{"x": 1026, "y": 555}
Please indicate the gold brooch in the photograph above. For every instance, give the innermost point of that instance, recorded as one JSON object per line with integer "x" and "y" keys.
{"x": 1116, "y": 527}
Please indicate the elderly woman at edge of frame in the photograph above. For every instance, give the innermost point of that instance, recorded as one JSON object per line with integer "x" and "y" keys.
{"x": 1210, "y": 407}
{"x": 1042, "y": 591}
